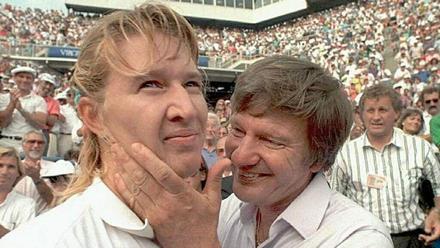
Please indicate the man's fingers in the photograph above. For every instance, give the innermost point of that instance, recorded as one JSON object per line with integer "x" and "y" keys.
{"x": 214, "y": 180}
{"x": 138, "y": 175}
{"x": 133, "y": 196}
{"x": 160, "y": 171}
{"x": 427, "y": 239}
{"x": 127, "y": 166}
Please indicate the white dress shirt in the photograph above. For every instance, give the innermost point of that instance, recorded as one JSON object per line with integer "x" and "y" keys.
{"x": 318, "y": 217}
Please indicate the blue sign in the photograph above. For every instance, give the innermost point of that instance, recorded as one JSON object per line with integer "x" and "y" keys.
{"x": 203, "y": 61}
{"x": 63, "y": 52}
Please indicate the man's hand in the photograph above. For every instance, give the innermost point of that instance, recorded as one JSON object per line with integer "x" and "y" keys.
{"x": 432, "y": 227}
{"x": 179, "y": 215}
{"x": 14, "y": 97}
{"x": 32, "y": 169}
{"x": 3, "y": 231}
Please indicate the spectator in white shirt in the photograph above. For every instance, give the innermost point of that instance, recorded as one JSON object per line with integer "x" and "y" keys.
{"x": 23, "y": 111}
{"x": 15, "y": 209}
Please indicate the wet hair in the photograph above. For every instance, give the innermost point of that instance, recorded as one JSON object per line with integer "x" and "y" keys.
{"x": 301, "y": 89}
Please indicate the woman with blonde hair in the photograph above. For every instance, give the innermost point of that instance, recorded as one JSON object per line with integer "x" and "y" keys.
{"x": 15, "y": 209}
{"x": 139, "y": 81}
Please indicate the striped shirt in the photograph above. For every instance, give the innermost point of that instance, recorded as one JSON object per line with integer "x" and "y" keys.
{"x": 401, "y": 163}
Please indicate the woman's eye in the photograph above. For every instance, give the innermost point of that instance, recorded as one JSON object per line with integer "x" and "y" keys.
{"x": 194, "y": 84}
{"x": 151, "y": 84}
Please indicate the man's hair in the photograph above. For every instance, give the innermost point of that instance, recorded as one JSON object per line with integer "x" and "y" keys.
{"x": 11, "y": 152}
{"x": 36, "y": 132}
{"x": 427, "y": 91}
{"x": 301, "y": 89}
{"x": 214, "y": 117}
{"x": 381, "y": 90}
{"x": 100, "y": 53}
{"x": 409, "y": 112}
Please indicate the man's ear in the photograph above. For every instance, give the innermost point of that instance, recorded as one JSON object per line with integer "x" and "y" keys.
{"x": 316, "y": 167}
{"x": 90, "y": 116}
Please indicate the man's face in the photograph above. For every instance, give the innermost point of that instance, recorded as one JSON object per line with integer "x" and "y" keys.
{"x": 8, "y": 173}
{"x": 70, "y": 99}
{"x": 163, "y": 109}
{"x": 431, "y": 102}
{"x": 212, "y": 130}
{"x": 45, "y": 89}
{"x": 220, "y": 148}
{"x": 33, "y": 146}
{"x": 269, "y": 155}
{"x": 223, "y": 132}
{"x": 24, "y": 81}
{"x": 379, "y": 116}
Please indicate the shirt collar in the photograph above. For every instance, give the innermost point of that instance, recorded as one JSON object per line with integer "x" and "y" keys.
{"x": 315, "y": 199}
{"x": 32, "y": 94}
{"x": 114, "y": 212}
{"x": 426, "y": 114}
{"x": 396, "y": 139}
{"x": 306, "y": 212}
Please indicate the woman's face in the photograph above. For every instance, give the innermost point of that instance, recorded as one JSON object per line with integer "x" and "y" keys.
{"x": 412, "y": 124}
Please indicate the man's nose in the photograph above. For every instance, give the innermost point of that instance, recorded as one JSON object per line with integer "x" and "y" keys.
{"x": 181, "y": 106}
{"x": 245, "y": 154}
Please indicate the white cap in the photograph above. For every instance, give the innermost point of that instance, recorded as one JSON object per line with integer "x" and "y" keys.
{"x": 61, "y": 95}
{"x": 23, "y": 69}
{"x": 60, "y": 167}
{"x": 397, "y": 85}
{"x": 48, "y": 78}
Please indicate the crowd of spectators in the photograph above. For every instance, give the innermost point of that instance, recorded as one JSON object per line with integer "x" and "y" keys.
{"x": 44, "y": 27}
{"x": 360, "y": 43}
{"x": 352, "y": 41}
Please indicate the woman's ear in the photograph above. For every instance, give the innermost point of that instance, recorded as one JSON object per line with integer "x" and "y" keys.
{"x": 90, "y": 116}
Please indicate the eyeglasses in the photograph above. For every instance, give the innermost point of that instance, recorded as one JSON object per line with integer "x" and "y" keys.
{"x": 38, "y": 142}
{"x": 432, "y": 100}
{"x": 56, "y": 179}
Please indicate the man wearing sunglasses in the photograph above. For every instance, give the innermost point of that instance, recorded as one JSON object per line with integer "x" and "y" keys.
{"x": 430, "y": 99}
{"x": 32, "y": 185}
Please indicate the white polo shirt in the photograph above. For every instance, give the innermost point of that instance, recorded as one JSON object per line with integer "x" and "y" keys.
{"x": 93, "y": 218}
{"x": 18, "y": 127}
